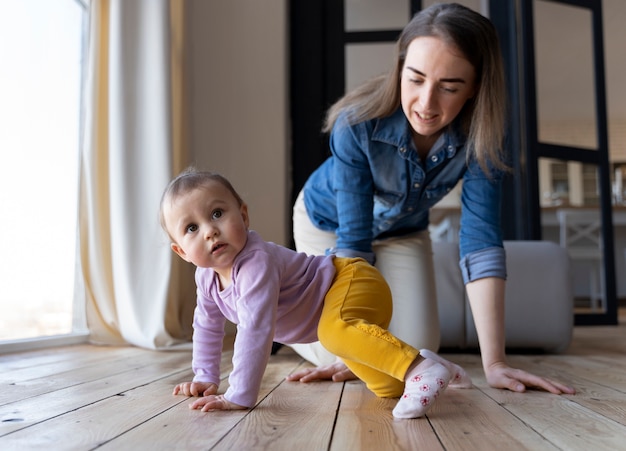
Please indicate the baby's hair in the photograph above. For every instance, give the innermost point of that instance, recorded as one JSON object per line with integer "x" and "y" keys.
{"x": 187, "y": 181}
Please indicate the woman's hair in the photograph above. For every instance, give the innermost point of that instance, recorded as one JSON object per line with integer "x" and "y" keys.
{"x": 187, "y": 181}
{"x": 482, "y": 117}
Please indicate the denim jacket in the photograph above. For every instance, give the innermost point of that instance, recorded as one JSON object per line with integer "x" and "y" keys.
{"x": 384, "y": 190}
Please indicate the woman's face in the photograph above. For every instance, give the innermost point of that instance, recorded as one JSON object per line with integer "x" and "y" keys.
{"x": 436, "y": 82}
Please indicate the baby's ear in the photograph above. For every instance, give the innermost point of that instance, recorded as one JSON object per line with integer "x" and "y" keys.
{"x": 244, "y": 215}
{"x": 179, "y": 250}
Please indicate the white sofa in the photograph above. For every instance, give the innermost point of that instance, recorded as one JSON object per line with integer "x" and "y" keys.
{"x": 539, "y": 300}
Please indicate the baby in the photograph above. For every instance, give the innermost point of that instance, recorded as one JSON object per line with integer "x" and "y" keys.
{"x": 273, "y": 293}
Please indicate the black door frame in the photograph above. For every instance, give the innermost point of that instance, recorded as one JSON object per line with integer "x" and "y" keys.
{"x": 526, "y": 167}
{"x": 317, "y": 74}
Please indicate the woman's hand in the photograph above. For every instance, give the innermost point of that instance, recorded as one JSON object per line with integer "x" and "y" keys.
{"x": 337, "y": 372}
{"x": 486, "y": 298}
{"x": 195, "y": 389}
{"x": 214, "y": 402}
{"x": 501, "y": 375}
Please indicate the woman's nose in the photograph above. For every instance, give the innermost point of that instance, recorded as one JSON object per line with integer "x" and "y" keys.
{"x": 426, "y": 97}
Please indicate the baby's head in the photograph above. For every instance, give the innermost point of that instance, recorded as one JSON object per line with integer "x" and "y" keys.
{"x": 205, "y": 218}
{"x": 187, "y": 181}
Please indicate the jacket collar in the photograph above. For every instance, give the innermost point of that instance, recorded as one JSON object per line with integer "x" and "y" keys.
{"x": 396, "y": 131}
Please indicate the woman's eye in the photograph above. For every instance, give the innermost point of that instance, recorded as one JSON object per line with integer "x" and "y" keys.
{"x": 448, "y": 89}
{"x": 217, "y": 214}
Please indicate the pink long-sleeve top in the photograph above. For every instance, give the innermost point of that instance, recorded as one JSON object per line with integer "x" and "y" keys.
{"x": 276, "y": 294}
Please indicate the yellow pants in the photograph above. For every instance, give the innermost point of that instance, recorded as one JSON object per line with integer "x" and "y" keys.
{"x": 353, "y": 326}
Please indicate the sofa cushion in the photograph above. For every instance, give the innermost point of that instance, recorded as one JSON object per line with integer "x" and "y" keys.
{"x": 538, "y": 303}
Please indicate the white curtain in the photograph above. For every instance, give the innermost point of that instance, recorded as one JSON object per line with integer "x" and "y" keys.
{"x": 137, "y": 291}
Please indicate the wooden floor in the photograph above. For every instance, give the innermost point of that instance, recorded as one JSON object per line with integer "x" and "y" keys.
{"x": 85, "y": 397}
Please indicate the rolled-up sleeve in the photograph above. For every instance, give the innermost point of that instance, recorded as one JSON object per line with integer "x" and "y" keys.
{"x": 490, "y": 262}
{"x": 480, "y": 236}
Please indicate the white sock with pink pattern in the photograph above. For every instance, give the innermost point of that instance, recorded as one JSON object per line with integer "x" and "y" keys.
{"x": 460, "y": 379}
{"x": 423, "y": 384}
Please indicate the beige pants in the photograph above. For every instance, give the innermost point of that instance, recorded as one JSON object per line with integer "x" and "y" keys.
{"x": 406, "y": 263}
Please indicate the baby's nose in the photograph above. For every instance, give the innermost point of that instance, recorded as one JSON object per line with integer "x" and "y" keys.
{"x": 210, "y": 232}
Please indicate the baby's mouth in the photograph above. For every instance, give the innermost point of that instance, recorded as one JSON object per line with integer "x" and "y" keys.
{"x": 217, "y": 247}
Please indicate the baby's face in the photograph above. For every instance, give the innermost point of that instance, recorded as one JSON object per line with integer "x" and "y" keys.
{"x": 208, "y": 226}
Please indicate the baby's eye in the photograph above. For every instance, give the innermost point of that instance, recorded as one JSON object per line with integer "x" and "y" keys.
{"x": 217, "y": 214}
{"x": 191, "y": 228}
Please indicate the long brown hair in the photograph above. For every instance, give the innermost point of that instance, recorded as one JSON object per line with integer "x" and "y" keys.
{"x": 483, "y": 117}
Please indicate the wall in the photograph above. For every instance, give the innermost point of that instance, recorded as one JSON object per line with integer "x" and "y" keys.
{"x": 237, "y": 84}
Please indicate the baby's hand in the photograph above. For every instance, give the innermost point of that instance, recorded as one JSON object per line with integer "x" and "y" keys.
{"x": 195, "y": 389}
{"x": 214, "y": 402}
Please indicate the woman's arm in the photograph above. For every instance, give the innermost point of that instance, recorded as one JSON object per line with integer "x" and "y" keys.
{"x": 486, "y": 297}
{"x": 353, "y": 187}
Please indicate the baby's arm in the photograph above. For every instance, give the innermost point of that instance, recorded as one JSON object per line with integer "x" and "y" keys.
{"x": 195, "y": 389}
{"x": 208, "y": 324}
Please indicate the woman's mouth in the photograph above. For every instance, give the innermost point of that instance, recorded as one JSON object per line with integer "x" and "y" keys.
{"x": 425, "y": 117}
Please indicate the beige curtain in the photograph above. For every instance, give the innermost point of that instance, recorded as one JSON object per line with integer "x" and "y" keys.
{"x": 133, "y": 143}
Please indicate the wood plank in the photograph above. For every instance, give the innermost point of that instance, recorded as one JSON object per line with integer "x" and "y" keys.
{"x": 149, "y": 390}
{"x": 182, "y": 428}
{"x": 600, "y": 383}
{"x": 91, "y": 425}
{"x": 560, "y": 420}
{"x": 605, "y": 340}
{"x": 365, "y": 422}
{"x": 480, "y": 424}
{"x": 121, "y": 398}
{"x": 74, "y": 373}
{"x": 581, "y": 370}
{"x": 27, "y": 412}
{"x": 600, "y": 386}
{"x": 293, "y": 416}
{"x": 21, "y": 359}
{"x": 32, "y": 364}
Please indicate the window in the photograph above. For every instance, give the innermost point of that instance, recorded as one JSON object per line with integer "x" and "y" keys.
{"x": 41, "y": 48}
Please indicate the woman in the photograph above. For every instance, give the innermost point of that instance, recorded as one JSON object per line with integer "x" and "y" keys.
{"x": 400, "y": 143}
